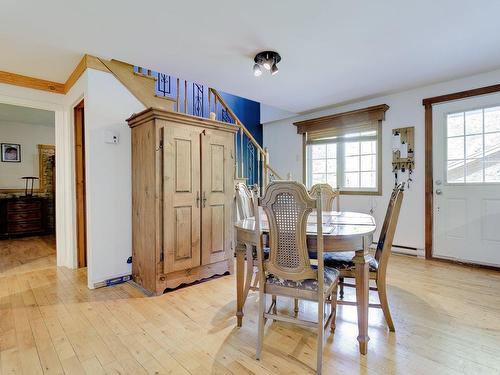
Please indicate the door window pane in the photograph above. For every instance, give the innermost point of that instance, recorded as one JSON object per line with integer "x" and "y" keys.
{"x": 455, "y": 124}
{"x": 474, "y": 146}
{"x": 492, "y": 171}
{"x": 475, "y": 157}
{"x": 474, "y": 122}
{"x": 456, "y": 172}
{"x": 456, "y": 148}
{"x": 492, "y": 119}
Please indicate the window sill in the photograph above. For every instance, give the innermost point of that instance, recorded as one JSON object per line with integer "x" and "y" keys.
{"x": 361, "y": 192}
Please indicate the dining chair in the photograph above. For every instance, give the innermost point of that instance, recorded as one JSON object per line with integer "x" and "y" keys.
{"x": 378, "y": 264}
{"x": 329, "y": 196}
{"x": 244, "y": 205}
{"x": 288, "y": 271}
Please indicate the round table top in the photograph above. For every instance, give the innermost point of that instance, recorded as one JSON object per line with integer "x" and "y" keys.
{"x": 335, "y": 224}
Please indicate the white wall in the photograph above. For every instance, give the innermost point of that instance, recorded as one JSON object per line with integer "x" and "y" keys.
{"x": 108, "y": 174}
{"x": 29, "y": 136}
{"x": 285, "y": 147}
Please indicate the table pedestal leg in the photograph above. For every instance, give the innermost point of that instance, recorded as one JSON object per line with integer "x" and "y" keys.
{"x": 362, "y": 294}
{"x": 240, "y": 275}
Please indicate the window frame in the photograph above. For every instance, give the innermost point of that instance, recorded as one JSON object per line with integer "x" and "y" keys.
{"x": 307, "y": 154}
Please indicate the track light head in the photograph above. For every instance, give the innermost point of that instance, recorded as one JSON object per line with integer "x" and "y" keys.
{"x": 274, "y": 69}
{"x": 257, "y": 71}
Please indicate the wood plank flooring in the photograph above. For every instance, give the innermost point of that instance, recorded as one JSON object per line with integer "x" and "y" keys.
{"x": 447, "y": 321}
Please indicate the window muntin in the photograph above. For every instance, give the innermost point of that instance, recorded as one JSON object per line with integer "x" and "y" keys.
{"x": 473, "y": 146}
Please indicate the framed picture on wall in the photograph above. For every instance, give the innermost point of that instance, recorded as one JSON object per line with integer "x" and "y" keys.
{"x": 11, "y": 152}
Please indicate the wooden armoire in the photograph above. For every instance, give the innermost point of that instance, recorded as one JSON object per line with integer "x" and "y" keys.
{"x": 182, "y": 198}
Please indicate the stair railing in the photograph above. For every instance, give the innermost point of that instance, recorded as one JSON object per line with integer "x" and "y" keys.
{"x": 264, "y": 173}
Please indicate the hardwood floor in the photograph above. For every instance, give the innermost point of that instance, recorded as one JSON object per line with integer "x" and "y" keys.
{"x": 446, "y": 318}
{"x": 27, "y": 254}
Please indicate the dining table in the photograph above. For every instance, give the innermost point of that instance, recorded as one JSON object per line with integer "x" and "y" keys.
{"x": 342, "y": 231}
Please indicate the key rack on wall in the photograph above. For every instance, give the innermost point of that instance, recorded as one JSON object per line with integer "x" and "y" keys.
{"x": 403, "y": 149}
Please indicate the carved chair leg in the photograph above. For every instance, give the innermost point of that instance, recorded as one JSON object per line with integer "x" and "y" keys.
{"x": 321, "y": 328}
{"x": 382, "y": 295}
{"x": 341, "y": 282}
{"x": 333, "y": 304}
{"x": 262, "y": 322}
{"x": 296, "y": 306}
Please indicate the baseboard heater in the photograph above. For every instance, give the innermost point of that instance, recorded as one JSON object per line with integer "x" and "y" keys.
{"x": 113, "y": 281}
{"x": 408, "y": 250}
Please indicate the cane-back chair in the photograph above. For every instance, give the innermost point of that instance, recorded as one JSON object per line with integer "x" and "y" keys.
{"x": 288, "y": 271}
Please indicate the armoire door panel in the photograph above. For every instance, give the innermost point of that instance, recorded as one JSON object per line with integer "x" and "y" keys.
{"x": 217, "y": 167}
{"x": 218, "y": 228}
{"x": 183, "y": 237}
{"x": 181, "y": 188}
{"x": 183, "y": 152}
{"x": 217, "y": 181}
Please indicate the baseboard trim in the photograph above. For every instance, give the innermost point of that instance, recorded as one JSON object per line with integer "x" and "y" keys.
{"x": 465, "y": 263}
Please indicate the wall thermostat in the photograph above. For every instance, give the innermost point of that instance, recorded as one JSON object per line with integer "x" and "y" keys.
{"x": 112, "y": 137}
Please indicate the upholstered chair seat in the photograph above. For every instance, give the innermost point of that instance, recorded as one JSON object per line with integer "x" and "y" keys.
{"x": 343, "y": 261}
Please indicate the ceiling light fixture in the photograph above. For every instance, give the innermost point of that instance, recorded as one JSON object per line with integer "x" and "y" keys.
{"x": 268, "y": 60}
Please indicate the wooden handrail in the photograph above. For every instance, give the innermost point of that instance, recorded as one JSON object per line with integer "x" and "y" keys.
{"x": 237, "y": 120}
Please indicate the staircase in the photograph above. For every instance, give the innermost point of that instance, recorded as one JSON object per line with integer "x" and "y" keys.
{"x": 252, "y": 160}
{"x": 163, "y": 91}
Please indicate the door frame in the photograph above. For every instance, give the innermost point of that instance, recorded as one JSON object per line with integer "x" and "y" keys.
{"x": 429, "y": 178}
{"x": 80, "y": 194}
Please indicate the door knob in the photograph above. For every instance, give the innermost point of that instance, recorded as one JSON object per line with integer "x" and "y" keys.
{"x": 439, "y": 191}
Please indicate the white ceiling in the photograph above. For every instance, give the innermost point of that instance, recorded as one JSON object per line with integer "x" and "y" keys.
{"x": 17, "y": 114}
{"x": 333, "y": 51}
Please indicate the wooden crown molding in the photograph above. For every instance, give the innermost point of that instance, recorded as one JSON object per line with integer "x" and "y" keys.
{"x": 87, "y": 61}
{"x": 32, "y": 83}
{"x": 374, "y": 113}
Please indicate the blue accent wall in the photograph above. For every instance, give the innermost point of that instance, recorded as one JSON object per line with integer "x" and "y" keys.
{"x": 248, "y": 112}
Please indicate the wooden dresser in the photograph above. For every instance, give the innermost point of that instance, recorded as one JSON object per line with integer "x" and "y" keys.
{"x": 24, "y": 216}
{"x": 182, "y": 198}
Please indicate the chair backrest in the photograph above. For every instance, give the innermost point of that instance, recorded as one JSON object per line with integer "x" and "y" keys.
{"x": 244, "y": 205}
{"x": 384, "y": 245}
{"x": 287, "y": 206}
{"x": 329, "y": 195}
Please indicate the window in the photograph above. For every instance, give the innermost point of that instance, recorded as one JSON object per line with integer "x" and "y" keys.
{"x": 343, "y": 150}
{"x": 348, "y": 162}
{"x": 473, "y": 146}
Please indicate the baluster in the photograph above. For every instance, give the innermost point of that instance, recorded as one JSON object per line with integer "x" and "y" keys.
{"x": 209, "y": 101}
{"x": 215, "y": 108}
{"x": 242, "y": 160}
{"x": 177, "y": 107}
{"x": 185, "y": 96}
{"x": 258, "y": 168}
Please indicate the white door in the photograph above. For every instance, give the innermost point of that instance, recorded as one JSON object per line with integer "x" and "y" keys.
{"x": 466, "y": 153}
